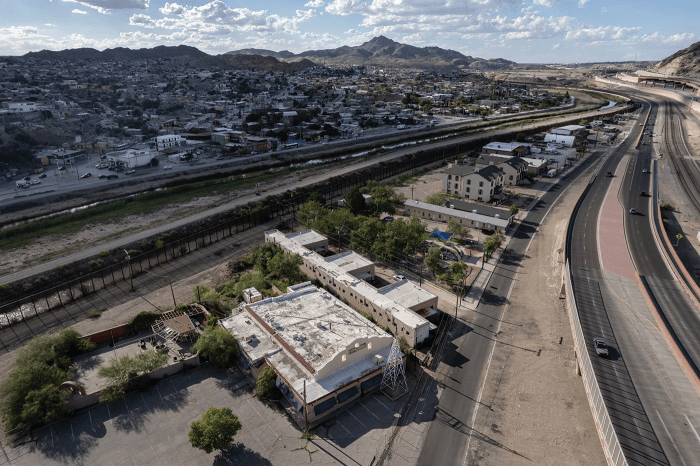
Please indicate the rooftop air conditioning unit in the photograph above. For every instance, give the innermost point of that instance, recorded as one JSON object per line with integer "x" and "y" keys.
{"x": 378, "y": 359}
{"x": 249, "y": 338}
{"x": 318, "y": 323}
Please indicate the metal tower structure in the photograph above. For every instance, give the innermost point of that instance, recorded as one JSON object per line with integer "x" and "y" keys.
{"x": 394, "y": 380}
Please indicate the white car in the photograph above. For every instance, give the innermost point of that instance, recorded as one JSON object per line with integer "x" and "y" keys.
{"x": 129, "y": 172}
{"x": 167, "y": 167}
{"x": 399, "y": 278}
{"x": 35, "y": 182}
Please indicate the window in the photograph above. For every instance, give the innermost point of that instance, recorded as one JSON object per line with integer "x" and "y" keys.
{"x": 481, "y": 183}
{"x": 481, "y": 191}
{"x": 407, "y": 332}
{"x": 345, "y": 357}
{"x": 456, "y": 186}
{"x": 456, "y": 178}
{"x": 369, "y": 345}
{"x": 467, "y": 189}
{"x": 469, "y": 181}
{"x": 449, "y": 177}
{"x": 511, "y": 177}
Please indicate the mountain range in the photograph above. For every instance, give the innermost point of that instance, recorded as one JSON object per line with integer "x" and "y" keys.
{"x": 380, "y": 51}
{"x": 685, "y": 62}
{"x": 384, "y": 52}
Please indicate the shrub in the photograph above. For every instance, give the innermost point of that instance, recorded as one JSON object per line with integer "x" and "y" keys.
{"x": 265, "y": 387}
{"x": 94, "y": 314}
{"x": 218, "y": 345}
{"x": 667, "y": 207}
{"x": 95, "y": 264}
{"x": 143, "y": 320}
{"x": 103, "y": 253}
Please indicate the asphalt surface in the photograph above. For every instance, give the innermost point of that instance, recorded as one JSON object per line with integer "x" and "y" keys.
{"x": 469, "y": 355}
{"x": 649, "y": 412}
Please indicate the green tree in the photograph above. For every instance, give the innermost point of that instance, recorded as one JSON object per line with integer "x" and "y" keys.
{"x": 458, "y": 230}
{"x": 265, "y": 386}
{"x": 285, "y": 265}
{"x": 493, "y": 242}
{"x": 311, "y": 212}
{"x": 363, "y": 238}
{"x": 215, "y": 431}
{"x": 514, "y": 209}
{"x": 121, "y": 371}
{"x": 432, "y": 259}
{"x": 218, "y": 345}
{"x": 43, "y": 406}
{"x": 355, "y": 201}
{"x": 437, "y": 199}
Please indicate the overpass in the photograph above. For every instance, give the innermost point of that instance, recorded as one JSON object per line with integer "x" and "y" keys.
{"x": 658, "y": 79}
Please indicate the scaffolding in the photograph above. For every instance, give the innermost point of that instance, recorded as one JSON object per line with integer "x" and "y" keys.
{"x": 160, "y": 327}
{"x": 394, "y": 380}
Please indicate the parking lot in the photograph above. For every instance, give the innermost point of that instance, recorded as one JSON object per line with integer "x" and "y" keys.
{"x": 151, "y": 428}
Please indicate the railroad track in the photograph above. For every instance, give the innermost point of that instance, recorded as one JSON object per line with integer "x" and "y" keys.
{"x": 686, "y": 169}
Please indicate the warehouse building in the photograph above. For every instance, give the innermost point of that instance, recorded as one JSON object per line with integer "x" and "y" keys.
{"x": 318, "y": 346}
{"x": 472, "y": 219}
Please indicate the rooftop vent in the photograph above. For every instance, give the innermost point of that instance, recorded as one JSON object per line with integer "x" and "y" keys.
{"x": 378, "y": 359}
{"x": 497, "y": 216}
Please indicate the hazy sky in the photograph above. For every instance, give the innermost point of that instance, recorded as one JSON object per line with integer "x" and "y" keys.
{"x": 530, "y": 31}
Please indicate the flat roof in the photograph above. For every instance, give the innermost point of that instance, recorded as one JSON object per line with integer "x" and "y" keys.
{"x": 307, "y": 237}
{"x": 314, "y": 323}
{"x": 349, "y": 261}
{"x": 501, "y": 222}
{"x": 243, "y": 326}
{"x": 407, "y": 294}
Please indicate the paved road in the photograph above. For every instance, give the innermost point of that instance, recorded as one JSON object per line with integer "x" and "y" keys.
{"x": 450, "y": 433}
{"x": 651, "y": 403}
{"x": 117, "y": 243}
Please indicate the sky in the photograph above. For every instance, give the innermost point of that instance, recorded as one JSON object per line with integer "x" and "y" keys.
{"x": 525, "y": 31}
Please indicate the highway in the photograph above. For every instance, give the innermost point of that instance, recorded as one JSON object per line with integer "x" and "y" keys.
{"x": 652, "y": 405}
{"x": 468, "y": 356}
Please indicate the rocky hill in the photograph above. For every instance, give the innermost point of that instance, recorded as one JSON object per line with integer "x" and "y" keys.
{"x": 384, "y": 52}
{"x": 685, "y": 62}
{"x": 118, "y": 54}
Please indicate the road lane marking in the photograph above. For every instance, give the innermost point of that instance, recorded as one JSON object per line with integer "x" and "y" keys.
{"x": 669, "y": 436}
{"x": 691, "y": 426}
{"x": 341, "y": 425}
{"x": 71, "y": 430}
{"x": 161, "y": 396}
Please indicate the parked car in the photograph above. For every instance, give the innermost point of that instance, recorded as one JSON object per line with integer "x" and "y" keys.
{"x": 35, "y": 182}
{"x": 61, "y": 168}
{"x": 167, "y": 167}
{"x": 399, "y": 277}
{"x": 43, "y": 175}
{"x": 102, "y": 177}
{"x": 129, "y": 172}
{"x": 643, "y": 193}
{"x": 601, "y": 349}
{"x": 86, "y": 175}
{"x": 645, "y": 171}
{"x": 111, "y": 177}
{"x": 609, "y": 174}
{"x": 219, "y": 157}
{"x": 26, "y": 178}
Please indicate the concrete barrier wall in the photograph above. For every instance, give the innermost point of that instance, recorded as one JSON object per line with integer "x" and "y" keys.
{"x": 606, "y": 431}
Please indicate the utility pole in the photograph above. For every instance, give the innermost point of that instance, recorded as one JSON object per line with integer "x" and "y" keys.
{"x": 173, "y": 293}
{"x": 131, "y": 272}
{"x": 306, "y": 413}
{"x": 338, "y": 240}
{"x": 412, "y": 188}
{"x": 421, "y": 275}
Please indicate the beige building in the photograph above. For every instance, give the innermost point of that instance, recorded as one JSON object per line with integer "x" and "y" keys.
{"x": 476, "y": 184}
{"x": 405, "y": 319}
{"x": 435, "y": 213}
{"x": 514, "y": 168}
{"x": 316, "y": 344}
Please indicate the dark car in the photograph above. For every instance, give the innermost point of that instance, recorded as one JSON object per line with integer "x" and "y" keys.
{"x": 86, "y": 175}
{"x": 609, "y": 174}
{"x": 111, "y": 177}
{"x": 26, "y": 178}
{"x": 601, "y": 349}
{"x": 102, "y": 177}
{"x": 43, "y": 175}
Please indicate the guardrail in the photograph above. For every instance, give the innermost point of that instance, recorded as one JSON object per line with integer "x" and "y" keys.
{"x": 606, "y": 431}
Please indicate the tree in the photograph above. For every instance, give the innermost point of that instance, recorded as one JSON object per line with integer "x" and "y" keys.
{"x": 122, "y": 371}
{"x": 265, "y": 386}
{"x": 310, "y": 212}
{"x": 432, "y": 259}
{"x": 285, "y": 265}
{"x": 514, "y": 209}
{"x": 458, "y": 230}
{"x": 43, "y": 406}
{"x": 218, "y": 345}
{"x": 355, "y": 201}
{"x": 215, "y": 431}
{"x": 437, "y": 199}
{"x": 154, "y": 162}
{"x": 493, "y": 242}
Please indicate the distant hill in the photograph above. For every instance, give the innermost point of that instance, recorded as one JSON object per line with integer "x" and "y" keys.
{"x": 119, "y": 54}
{"x": 382, "y": 51}
{"x": 261, "y": 62}
{"x": 685, "y": 62}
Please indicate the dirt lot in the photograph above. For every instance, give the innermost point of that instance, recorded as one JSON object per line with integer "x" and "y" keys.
{"x": 57, "y": 245}
{"x": 534, "y": 403}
